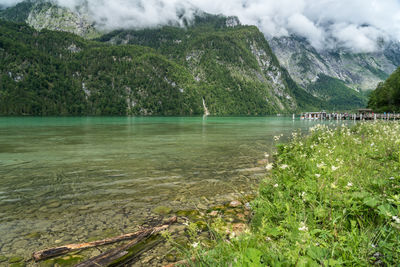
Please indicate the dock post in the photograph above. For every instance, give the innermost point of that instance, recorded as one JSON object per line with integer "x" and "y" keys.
{"x": 361, "y": 117}
{"x": 293, "y": 116}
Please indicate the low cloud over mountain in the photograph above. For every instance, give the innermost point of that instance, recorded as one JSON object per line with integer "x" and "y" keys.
{"x": 355, "y": 24}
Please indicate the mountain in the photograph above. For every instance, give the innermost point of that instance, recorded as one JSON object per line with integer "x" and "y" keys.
{"x": 320, "y": 72}
{"x": 227, "y": 57}
{"x": 221, "y": 69}
{"x": 232, "y": 66}
{"x": 42, "y": 14}
{"x": 386, "y": 97}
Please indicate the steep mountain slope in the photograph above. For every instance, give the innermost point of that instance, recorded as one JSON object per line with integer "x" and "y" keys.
{"x": 213, "y": 35}
{"x": 386, "y": 98}
{"x": 359, "y": 72}
{"x": 41, "y": 14}
{"x": 225, "y": 57}
{"x": 224, "y": 71}
{"x": 57, "y": 73}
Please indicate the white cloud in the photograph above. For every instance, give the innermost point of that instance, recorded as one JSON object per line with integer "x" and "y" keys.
{"x": 356, "y": 24}
{"x": 301, "y": 25}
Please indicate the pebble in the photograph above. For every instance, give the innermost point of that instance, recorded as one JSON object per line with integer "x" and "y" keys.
{"x": 202, "y": 206}
{"x": 239, "y": 228}
{"x": 54, "y": 205}
{"x": 214, "y": 213}
{"x": 170, "y": 258}
{"x": 241, "y": 216}
{"x": 147, "y": 259}
{"x": 235, "y": 204}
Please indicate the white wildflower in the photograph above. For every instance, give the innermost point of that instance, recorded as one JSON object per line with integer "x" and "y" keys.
{"x": 372, "y": 144}
{"x": 268, "y": 239}
{"x": 396, "y": 219}
{"x": 195, "y": 244}
{"x": 317, "y": 175}
{"x": 266, "y": 155}
{"x": 349, "y": 184}
{"x": 334, "y": 168}
{"x": 276, "y": 185}
{"x": 321, "y": 165}
{"x": 303, "y": 227}
{"x": 391, "y": 178}
{"x": 283, "y": 166}
{"x": 269, "y": 167}
{"x": 373, "y": 246}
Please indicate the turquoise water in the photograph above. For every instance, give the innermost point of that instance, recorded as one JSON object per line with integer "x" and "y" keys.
{"x": 68, "y": 180}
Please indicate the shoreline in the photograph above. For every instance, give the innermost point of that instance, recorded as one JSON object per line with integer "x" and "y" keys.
{"x": 332, "y": 200}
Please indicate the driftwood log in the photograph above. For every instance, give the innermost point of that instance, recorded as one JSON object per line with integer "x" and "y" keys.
{"x": 54, "y": 252}
{"x": 112, "y": 256}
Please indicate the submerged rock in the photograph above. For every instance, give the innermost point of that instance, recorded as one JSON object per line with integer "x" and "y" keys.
{"x": 162, "y": 210}
{"x": 170, "y": 257}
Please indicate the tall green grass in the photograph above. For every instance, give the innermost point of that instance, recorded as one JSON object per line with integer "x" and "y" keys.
{"x": 332, "y": 199}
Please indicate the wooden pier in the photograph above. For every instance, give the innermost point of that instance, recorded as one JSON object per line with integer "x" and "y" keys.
{"x": 362, "y": 114}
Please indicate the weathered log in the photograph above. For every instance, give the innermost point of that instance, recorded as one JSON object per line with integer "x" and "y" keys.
{"x": 109, "y": 257}
{"x": 54, "y": 252}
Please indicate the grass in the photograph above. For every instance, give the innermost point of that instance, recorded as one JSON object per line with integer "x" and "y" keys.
{"x": 332, "y": 199}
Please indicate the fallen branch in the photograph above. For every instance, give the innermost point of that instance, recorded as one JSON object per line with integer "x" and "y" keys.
{"x": 112, "y": 256}
{"x": 53, "y": 252}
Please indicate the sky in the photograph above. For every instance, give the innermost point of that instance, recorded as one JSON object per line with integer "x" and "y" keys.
{"x": 355, "y": 24}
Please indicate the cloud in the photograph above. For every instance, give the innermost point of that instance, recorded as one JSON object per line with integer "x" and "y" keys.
{"x": 355, "y": 24}
{"x": 8, "y": 3}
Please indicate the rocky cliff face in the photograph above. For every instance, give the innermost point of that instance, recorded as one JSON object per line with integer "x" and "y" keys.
{"x": 360, "y": 72}
{"x": 47, "y": 15}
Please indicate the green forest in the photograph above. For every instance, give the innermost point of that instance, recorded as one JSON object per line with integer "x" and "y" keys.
{"x": 386, "y": 97}
{"x": 339, "y": 97}
{"x": 164, "y": 71}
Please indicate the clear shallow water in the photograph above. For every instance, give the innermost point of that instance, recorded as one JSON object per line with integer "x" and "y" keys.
{"x": 72, "y": 179}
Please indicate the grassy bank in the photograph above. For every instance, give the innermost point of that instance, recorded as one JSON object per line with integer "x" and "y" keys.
{"x": 331, "y": 199}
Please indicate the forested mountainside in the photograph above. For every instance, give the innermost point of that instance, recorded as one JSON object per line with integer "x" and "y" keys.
{"x": 227, "y": 70}
{"x": 231, "y": 66}
{"x": 386, "y": 97}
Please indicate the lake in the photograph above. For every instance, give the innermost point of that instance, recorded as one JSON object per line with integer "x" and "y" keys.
{"x": 66, "y": 180}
